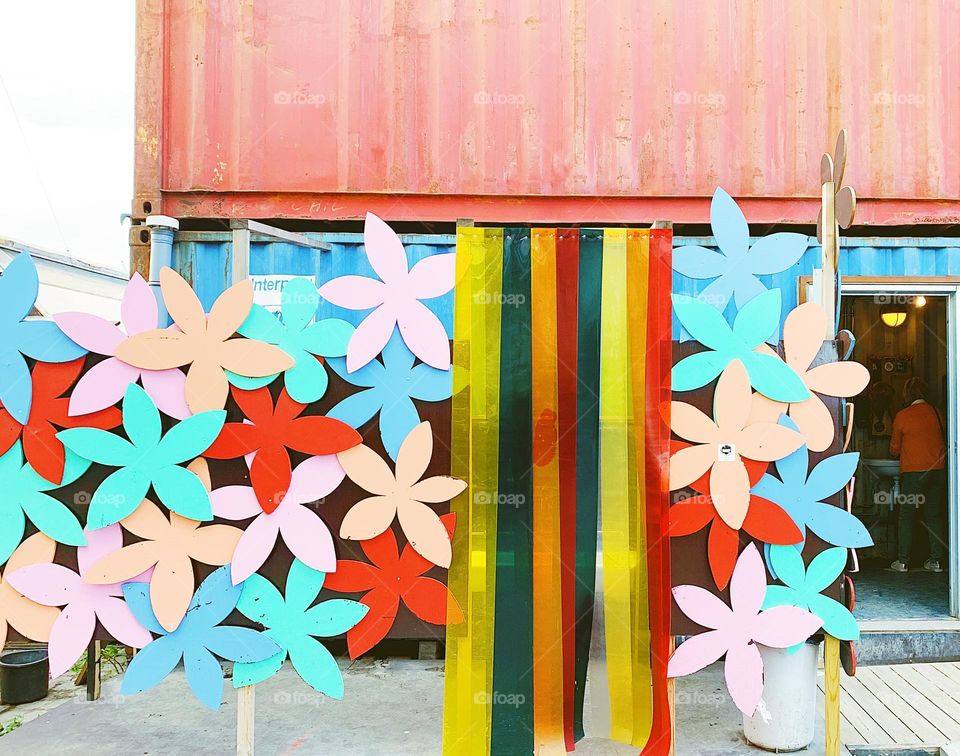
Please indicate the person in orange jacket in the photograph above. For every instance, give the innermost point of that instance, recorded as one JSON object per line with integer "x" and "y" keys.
{"x": 918, "y": 440}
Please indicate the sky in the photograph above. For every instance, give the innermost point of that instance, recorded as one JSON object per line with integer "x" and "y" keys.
{"x": 66, "y": 126}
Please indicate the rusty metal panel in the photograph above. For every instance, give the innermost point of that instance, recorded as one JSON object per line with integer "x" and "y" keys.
{"x": 546, "y": 109}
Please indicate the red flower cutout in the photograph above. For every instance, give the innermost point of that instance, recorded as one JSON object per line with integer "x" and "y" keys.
{"x": 270, "y": 433}
{"x": 391, "y": 578}
{"x": 48, "y": 413}
{"x": 764, "y": 521}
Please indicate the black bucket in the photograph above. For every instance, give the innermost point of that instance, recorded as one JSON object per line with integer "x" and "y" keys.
{"x": 24, "y": 676}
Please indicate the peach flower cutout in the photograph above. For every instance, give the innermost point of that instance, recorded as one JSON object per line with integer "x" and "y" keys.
{"x": 400, "y": 495}
{"x": 718, "y": 446}
{"x": 803, "y": 332}
{"x": 203, "y": 342}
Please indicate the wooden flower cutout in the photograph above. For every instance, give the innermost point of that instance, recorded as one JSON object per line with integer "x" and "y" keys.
{"x": 735, "y": 630}
{"x": 400, "y": 495}
{"x": 270, "y": 432}
{"x": 764, "y": 521}
{"x": 389, "y": 579}
{"x": 802, "y": 338}
{"x": 831, "y": 169}
{"x": 49, "y": 410}
{"x": 203, "y": 342}
{"x": 719, "y": 446}
{"x": 168, "y": 546}
{"x": 30, "y": 619}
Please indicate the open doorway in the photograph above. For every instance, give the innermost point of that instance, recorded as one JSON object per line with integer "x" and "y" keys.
{"x": 902, "y": 336}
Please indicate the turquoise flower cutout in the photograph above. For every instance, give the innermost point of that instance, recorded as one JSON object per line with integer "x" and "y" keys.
{"x": 292, "y": 332}
{"x": 802, "y": 496}
{"x": 149, "y": 458}
{"x": 744, "y": 341}
{"x": 294, "y": 625}
{"x": 41, "y": 340}
{"x": 736, "y": 266}
{"x": 390, "y": 388}
{"x": 195, "y": 640}
{"x": 802, "y": 587}
{"x": 24, "y": 497}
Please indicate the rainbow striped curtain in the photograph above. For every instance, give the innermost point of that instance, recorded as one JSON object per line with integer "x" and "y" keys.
{"x": 561, "y": 384}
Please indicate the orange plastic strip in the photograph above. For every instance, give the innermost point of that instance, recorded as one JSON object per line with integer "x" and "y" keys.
{"x": 548, "y": 690}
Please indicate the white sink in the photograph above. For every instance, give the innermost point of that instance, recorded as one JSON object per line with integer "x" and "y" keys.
{"x": 887, "y": 468}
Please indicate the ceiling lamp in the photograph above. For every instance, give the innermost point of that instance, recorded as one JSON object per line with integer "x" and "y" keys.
{"x": 893, "y": 316}
{"x": 919, "y": 301}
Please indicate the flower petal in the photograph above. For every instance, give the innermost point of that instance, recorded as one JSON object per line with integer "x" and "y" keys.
{"x": 748, "y": 584}
{"x": 437, "y": 489}
{"x": 368, "y": 470}
{"x": 354, "y": 292}
{"x": 743, "y": 671}
{"x": 414, "y": 455}
{"x": 384, "y": 250}
{"x": 368, "y": 518}
{"x": 315, "y": 478}
{"x": 308, "y": 538}
{"x": 147, "y": 668}
{"x": 370, "y": 336}
{"x": 730, "y": 491}
{"x": 425, "y": 532}
{"x": 696, "y": 653}
{"x": 118, "y": 620}
{"x": 690, "y": 463}
{"x": 767, "y": 442}
{"x": 424, "y": 334}
{"x": 171, "y": 589}
{"x": 815, "y": 423}
{"x": 91, "y": 332}
{"x": 691, "y": 424}
{"x": 803, "y": 331}
{"x": 432, "y": 276}
{"x": 167, "y": 388}
{"x": 784, "y": 626}
{"x": 703, "y": 607}
{"x": 254, "y": 546}
{"x": 838, "y": 378}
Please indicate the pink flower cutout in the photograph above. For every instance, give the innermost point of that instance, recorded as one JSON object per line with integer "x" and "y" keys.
{"x": 84, "y": 604}
{"x": 803, "y": 332}
{"x": 736, "y": 630}
{"x": 396, "y": 299}
{"x": 304, "y": 533}
{"x": 103, "y": 384}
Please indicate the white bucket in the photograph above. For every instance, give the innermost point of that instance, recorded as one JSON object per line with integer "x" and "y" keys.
{"x": 785, "y": 718}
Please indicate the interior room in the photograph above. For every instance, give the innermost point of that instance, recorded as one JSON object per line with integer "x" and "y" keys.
{"x": 898, "y": 336}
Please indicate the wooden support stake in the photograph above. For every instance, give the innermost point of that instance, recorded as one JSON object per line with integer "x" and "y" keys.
{"x": 246, "y": 710}
{"x": 93, "y": 670}
{"x": 828, "y": 295}
{"x": 831, "y": 694}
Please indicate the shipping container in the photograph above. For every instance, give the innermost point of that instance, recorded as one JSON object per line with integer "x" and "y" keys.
{"x": 553, "y": 111}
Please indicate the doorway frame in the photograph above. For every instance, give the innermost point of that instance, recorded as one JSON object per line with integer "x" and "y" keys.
{"x": 935, "y": 286}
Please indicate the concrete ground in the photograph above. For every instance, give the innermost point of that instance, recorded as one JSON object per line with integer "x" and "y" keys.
{"x": 391, "y": 707}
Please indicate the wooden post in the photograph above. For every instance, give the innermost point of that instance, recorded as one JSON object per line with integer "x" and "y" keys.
{"x": 828, "y": 292}
{"x": 246, "y": 710}
{"x": 93, "y": 670}
{"x": 831, "y": 694}
{"x": 240, "y": 260}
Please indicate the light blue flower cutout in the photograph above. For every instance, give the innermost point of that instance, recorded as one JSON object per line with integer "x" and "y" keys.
{"x": 802, "y": 587}
{"x": 294, "y": 624}
{"x": 390, "y": 387}
{"x": 736, "y": 266}
{"x": 197, "y": 638}
{"x": 149, "y": 458}
{"x": 23, "y": 495}
{"x": 769, "y": 375}
{"x": 307, "y": 380}
{"x": 802, "y": 496}
{"x": 40, "y": 340}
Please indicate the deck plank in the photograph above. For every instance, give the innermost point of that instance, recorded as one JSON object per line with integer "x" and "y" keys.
{"x": 928, "y": 722}
{"x": 869, "y": 731}
{"x": 849, "y": 734}
{"x": 940, "y": 694}
{"x": 879, "y": 712}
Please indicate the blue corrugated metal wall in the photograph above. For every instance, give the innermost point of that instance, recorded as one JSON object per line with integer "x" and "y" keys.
{"x": 859, "y": 256}
{"x": 207, "y": 264}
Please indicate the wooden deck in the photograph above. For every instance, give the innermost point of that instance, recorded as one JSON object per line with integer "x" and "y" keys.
{"x": 900, "y": 704}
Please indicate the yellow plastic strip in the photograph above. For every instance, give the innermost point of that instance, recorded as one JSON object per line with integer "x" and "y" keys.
{"x": 547, "y": 626}
{"x": 637, "y": 281}
{"x": 615, "y": 483}
{"x": 831, "y": 698}
{"x": 473, "y": 442}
